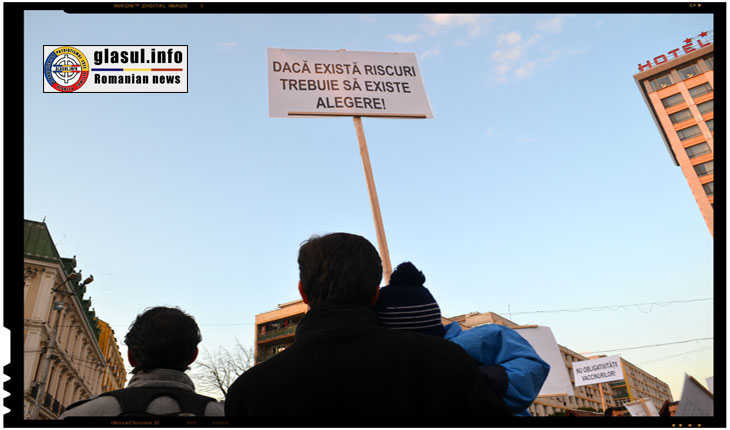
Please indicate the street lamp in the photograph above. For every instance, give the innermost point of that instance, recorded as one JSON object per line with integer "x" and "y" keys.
{"x": 58, "y": 307}
{"x": 72, "y": 277}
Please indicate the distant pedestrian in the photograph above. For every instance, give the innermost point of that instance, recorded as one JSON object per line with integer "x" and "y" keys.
{"x": 669, "y": 409}
{"x": 616, "y": 411}
{"x": 343, "y": 363}
{"x": 162, "y": 342}
{"x": 509, "y": 363}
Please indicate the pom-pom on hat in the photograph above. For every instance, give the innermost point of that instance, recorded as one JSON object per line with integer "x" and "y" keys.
{"x": 406, "y": 304}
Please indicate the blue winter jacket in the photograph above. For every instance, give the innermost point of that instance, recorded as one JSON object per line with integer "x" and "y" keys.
{"x": 496, "y": 344}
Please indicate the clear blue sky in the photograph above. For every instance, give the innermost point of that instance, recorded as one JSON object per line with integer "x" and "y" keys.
{"x": 541, "y": 184}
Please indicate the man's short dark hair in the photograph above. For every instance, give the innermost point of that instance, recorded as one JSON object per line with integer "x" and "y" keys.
{"x": 620, "y": 409}
{"x": 162, "y": 338}
{"x": 339, "y": 268}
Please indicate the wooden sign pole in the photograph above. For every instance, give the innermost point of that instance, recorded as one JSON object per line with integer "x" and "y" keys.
{"x": 646, "y": 408}
{"x": 379, "y": 229}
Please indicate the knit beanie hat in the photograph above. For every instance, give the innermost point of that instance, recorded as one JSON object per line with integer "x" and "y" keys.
{"x": 406, "y": 304}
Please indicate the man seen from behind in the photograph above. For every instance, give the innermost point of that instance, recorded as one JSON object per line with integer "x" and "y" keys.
{"x": 343, "y": 363}
{"x": 162, "y": 342}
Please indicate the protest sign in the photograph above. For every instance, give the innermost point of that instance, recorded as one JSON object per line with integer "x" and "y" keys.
{"x": 314, "y": 83}
{"x": 696, "y": 400}
{"x": 643, "y": 407}
{"x": 597, "y": 371}
{"x": 308, "y": 82}
{"x": 542, "y": 340}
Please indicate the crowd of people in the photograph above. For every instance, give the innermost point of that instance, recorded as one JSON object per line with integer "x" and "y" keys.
{"x": 360, "y": 351}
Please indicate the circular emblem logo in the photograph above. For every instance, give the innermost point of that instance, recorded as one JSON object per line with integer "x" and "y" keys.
{"x": 66, "y": 69}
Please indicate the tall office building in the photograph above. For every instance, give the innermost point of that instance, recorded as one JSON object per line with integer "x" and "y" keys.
{"x": 638, "y": 384}
{"x": 677, "y": 86}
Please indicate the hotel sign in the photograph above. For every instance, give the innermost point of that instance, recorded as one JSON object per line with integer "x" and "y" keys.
{"x": 690, "y": 44}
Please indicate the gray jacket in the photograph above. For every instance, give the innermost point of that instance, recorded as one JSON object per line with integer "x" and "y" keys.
{"x": 109, "y": 406}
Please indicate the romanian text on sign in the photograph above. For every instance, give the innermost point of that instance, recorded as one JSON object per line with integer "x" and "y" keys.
{"x": 597, "y": 371}
{"x": 305, "y": 82}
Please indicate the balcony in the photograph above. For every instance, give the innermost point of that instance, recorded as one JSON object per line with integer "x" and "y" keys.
{"x": 275, "y": 334}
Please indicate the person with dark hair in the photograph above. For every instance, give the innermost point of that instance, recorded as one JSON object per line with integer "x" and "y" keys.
{"x": 343, "y": 363}
{"x": 668, "y": 409}
{"x": 507, "y": 361}
{"x": 161, "y": 344}
{"x": 616, "y": 411}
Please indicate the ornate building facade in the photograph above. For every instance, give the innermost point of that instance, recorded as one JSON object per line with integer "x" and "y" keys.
{"x": 62, "y": 360}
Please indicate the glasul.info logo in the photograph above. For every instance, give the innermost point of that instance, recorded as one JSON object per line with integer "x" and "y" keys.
{"x": 115, "y": 69}
{"x": 66, "y": 69}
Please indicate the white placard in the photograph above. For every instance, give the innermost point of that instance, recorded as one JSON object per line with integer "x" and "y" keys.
{"x": 308, "y": 82}
{"x": 696, "y": 400}
{"x": 711, "y": 384}
{"x": 643, "y": 407}
{"x": 542, "y": 340}
{"x": 597, "y": 371}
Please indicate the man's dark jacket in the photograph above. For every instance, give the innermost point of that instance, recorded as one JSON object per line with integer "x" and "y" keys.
{"x": 343, "y": 363}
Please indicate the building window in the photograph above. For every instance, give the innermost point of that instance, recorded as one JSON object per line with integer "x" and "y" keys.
{"x": 711, "y": 125}
{"x": 709, "y": 188}
{"x": 672, "y": 100}
{"x": 688, "y": 133}
{"x": 700, "y": 90}
{"x": 710, "y": 61}
{"x": 688, "y": 72}
{"x": 705, "y": 168}
{"x": 680, "y": 116}
{"x": 661, "y": 82}
{"x": 705, "y": 107}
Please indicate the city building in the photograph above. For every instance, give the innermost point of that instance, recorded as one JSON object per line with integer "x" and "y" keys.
{"x": 275, "y": 329}
{"x": 639, "y": 384}
{"x": 62, "y": 360}
{"x": 586, "y": 397}
{"x": 678, "y": 88}
{"x": 275, "y": 332}
{"x": 114, "y": 375}
{"x": 636, "y": 383}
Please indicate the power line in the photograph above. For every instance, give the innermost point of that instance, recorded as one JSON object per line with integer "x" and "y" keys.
{"x": 675, "y": 355}
{"x": 616, "y": 307}
{"x": 647, "y": 346}
{"x": 601, "y": 308}
{"x": 199, "y": 325}
{"x": 227, "y": 324}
